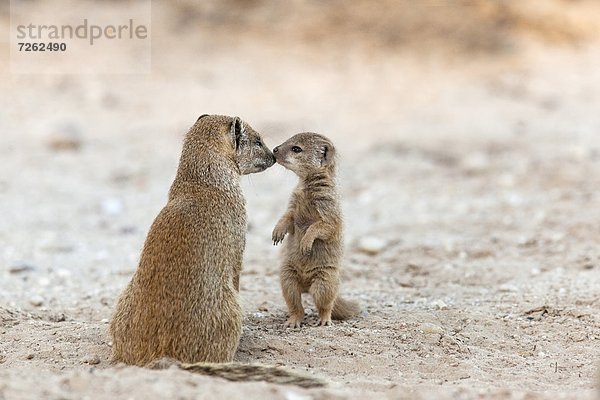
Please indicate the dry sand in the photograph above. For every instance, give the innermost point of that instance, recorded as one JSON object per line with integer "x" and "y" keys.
{"x": 469, "y": 180}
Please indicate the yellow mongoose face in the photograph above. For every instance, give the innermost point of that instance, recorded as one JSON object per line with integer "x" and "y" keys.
{"x": 234, "y": 137}
{"x": 252, "y": 154}
{"x": 306, "y": 153}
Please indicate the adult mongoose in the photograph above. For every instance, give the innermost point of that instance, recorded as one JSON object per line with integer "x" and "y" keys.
{"x": 313, "y": 249}
{"x": 182, "y": 301}
{"x": 182, "y": 306}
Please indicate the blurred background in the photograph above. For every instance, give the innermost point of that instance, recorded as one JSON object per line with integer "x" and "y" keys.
{"x": 460, "y": 85}
{"x": 389, "y": 69}
{"x": 469, "y": 143}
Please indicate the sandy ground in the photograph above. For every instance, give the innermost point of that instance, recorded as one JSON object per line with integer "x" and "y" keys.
{"x": 469, "y": 185}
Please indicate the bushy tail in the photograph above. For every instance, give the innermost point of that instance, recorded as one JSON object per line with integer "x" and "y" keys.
{"x": 344, "y": 309}
{"x": 245, "y": 372}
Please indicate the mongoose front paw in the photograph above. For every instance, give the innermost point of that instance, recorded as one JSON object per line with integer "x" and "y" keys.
{"x": 325, "y": 322}
{"x": 278, "y": 234}
{"x": 306, "y": 246}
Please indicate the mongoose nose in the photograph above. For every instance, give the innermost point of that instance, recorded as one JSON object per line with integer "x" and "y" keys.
{"x": 276, "y": 149}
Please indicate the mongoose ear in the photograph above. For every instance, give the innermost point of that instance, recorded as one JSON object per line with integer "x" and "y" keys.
{"x": 327, "y": 155}
{"x": 237, "y": 132}
{"x": 202, "y": 116}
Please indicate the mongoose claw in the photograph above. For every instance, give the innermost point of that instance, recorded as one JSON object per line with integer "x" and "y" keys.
{"x": 325, "y": 322}
{"x": 278, "y": 235}
{"x": 292, "y": 323}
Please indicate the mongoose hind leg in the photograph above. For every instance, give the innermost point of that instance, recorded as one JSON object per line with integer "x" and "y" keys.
{"x": 292, "y": 293}
{"x": 324, "y": 291}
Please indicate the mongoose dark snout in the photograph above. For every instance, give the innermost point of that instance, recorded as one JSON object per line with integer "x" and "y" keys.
{"x": 268, "y": 161}
{"x": 272, "y": 160}
{"x": 279, "y": 154}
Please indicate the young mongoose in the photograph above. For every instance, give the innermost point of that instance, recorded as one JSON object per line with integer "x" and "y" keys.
{"x": 313, "y": 222}
{"x": 183, "y": 302}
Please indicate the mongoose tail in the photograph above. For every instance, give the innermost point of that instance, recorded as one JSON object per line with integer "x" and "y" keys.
{"x": 344, "y": 309}
{"x": 239, "y": 372}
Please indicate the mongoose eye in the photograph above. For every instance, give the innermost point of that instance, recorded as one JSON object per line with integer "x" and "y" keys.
{"x": 258, "y": 143}
{"x": 296, "y": 149}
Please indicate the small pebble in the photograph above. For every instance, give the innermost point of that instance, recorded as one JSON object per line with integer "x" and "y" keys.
{"x": 431, "y": 328}
{"x": 371, "y": 245}
{"x": 92, "y": 360}
{"x": 505, "y": 287}
{"x": 439, "y": 304}
{"x": 36, "y": 300}
{"x": 60, "y": 317}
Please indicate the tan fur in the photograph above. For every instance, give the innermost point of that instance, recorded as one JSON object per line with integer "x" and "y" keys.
{"x": 182, "y": 301}
{"x": 313, "y": 222}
